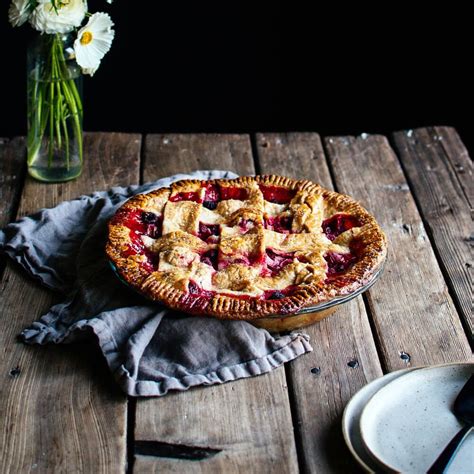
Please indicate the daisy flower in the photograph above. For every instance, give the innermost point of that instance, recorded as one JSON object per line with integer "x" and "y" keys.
{"x": 93, "y": 41}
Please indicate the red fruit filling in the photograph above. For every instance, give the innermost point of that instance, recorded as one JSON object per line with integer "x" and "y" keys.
{"x": 212, "y": 196}
{"x": 276, "y": 194}
{"x": 137, "y": 247}
{"x": 338, "y": 224}
{"x": 239, "y": 297}
{"x": 195, "y": 290}
{"x": 279, "y": 294}
{"x": 147, "y": 223}
{"x": 153, "y": 224}
{"x": 339, "y": 262}
{"x": 245, "y": 225}
{"x": 210, "y": 258}
{"x": 208, "y": 230}
{"x": 131, "y": 219}
{"x": 275, "y": 261}
{"x": 281, "y": 224}
{"x": 249, "y": 260}
{"x": 234, "y": 193}
{"x": 188, "y": 196}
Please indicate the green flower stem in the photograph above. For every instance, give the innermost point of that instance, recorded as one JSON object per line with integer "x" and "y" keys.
{"x": 75, "y": 115}
{"x": 75, "y": 103}
{"x": 54, "y": 102}
{"x": 66, "y": 141}
{"x": 51, "y": 124}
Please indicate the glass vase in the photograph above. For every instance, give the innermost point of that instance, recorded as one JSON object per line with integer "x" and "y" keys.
{"x": 54, "y": 109}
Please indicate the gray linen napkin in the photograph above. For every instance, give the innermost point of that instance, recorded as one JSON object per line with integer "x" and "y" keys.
{"x": 149, "y": 349}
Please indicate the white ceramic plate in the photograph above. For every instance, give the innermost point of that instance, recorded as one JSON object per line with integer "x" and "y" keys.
{"x": 407, "y": 423}
{"x": 351, "y": 419}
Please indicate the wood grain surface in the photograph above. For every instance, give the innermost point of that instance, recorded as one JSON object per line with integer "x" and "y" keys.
{"x": 458, "y": 156}
{"x": 414, "y": 317}
{"x": 12, "y": 169}
{"x": 434, "y": 171}
{"x": 344, "y": 356}
{"x": 242, "y": 426}
{"x": 170, "y": 154}
{"x": 60, "y": 410}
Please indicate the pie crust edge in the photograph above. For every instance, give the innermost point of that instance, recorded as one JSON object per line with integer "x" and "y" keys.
{"x": 229, "y": 307}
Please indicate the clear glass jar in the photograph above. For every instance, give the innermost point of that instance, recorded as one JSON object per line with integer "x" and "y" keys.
{"x": 54, "y": 108}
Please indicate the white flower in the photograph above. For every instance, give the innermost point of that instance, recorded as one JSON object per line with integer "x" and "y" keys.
{"x": 19, "y": 12}
{"x": 93, "y": 41}
{"x": 89, "y": 70}
{"x": 67, "y": 15}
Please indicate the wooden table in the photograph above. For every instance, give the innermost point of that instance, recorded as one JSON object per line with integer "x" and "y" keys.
{"x": 59, "y": 407}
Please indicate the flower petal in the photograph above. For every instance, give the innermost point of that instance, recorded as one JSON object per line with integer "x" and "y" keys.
{"x": 100, "y": 30}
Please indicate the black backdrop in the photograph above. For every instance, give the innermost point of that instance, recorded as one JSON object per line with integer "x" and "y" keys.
{"x": 236, "y": 66}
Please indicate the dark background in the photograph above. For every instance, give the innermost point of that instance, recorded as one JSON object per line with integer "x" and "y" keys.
{"x": 242, "y": 67}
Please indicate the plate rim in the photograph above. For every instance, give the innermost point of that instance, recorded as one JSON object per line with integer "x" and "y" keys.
{"x": 345, "y": 416}
{"x": 379, "y": 461}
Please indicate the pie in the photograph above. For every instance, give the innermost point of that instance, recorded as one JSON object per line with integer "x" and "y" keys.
{"x": 244, "y": 248}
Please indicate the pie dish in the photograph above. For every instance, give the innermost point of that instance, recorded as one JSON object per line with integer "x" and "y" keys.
{"x": 245, "y": 248}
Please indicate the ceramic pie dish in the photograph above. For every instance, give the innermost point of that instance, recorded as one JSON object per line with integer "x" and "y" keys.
{"x": 251, "y": 248}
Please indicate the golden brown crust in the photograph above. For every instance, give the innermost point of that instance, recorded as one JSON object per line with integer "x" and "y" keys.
{"x": 310, "y": 205}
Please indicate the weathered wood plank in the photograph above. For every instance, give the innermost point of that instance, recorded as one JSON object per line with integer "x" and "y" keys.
{"x": 60, "y": 410}
{"x": 458, "y": 156}
{"x": 249, "y": 420}
{"x": 319, "y": 396}
{"x": 412, "y": 310}
{"x": 12, "y": 165}
{"x": 170, "y": 154}
{"x": 431, "y": 168}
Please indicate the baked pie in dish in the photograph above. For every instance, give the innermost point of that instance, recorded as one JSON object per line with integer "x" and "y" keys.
{"x": 245, "y": 248}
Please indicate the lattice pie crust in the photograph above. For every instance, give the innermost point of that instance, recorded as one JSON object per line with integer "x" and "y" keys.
{"x": 244, "y": 248}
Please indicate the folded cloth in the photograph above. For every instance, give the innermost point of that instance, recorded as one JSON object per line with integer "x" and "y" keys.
{"x": 149, "y": 349}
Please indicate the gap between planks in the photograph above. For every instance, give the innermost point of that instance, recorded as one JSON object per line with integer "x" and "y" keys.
{"x": 226, "y": 417}
{"x": 368, "y": 309}
{"x": 344, "y": 357}
{"x": 422, "y": 321}
{"x": 432, "y": 169}
{"x": 12, "y": 178}
{"x": 66, "y": 381}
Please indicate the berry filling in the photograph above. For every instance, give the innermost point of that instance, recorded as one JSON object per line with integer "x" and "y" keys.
{"x": 339, "y": 223}
{"x": 194, "y": 196}
{"x": 239, "y": 297}
{"x": 275, "y": 261}
{"x": 208, "y": 232}
{"x": 211, "y": 197}
{"x": 195, "y": 290}
{"x": 339, "y": 262}
{"x": 210, "y": 258}
{"x": 153, "y": 224}
{"x": 278, "y": 294}
{"x": 234, "y": 193}
{"x": 276, "y": 194}
{"x": 242, "y": 260}
{"x": 281, "y": 224}
{"x": 245, "y": 225}
{"x": 249, "y": 260}
{"x": 131, "y": 218}
{"x": 141, "y": 222}
{"x": 137, "y": 247}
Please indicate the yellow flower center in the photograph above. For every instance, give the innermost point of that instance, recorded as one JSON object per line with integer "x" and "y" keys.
{"x": 86, "y": 37}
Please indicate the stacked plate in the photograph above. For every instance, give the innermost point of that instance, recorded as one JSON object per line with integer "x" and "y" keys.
{"x": 401, "y": 422}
